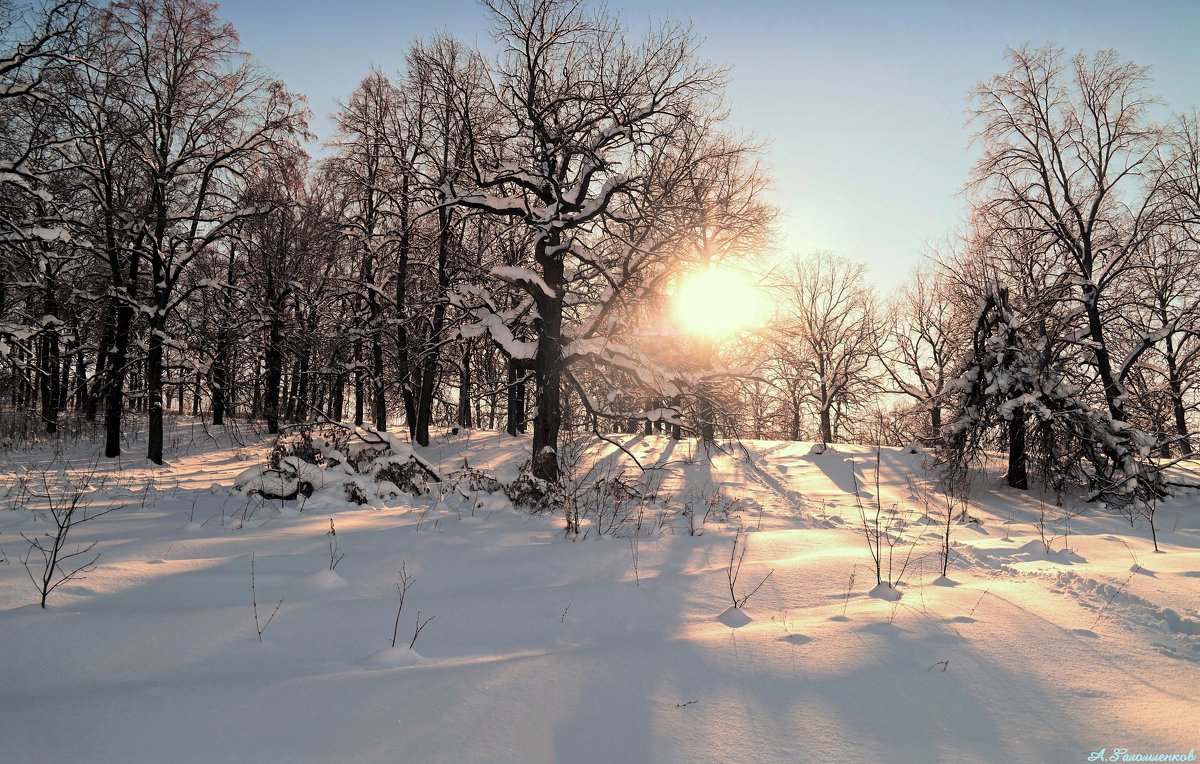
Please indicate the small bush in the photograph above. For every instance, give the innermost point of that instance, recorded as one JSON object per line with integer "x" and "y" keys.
{"x": 355, "y": 492}
{"x": 533, "y": 494}
{"x": 408, "y": 476}
{"x": 298, "y": 443}
{"x": 471, "y": 479}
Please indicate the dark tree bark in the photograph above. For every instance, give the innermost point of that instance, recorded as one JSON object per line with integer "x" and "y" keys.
{"x": 1018, "y": 475}
{"x": 464, "y": 390}
{"x": 274, "y": 373}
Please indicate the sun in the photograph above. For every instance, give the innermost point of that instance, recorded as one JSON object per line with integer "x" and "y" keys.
{"x": 719, "y": 301}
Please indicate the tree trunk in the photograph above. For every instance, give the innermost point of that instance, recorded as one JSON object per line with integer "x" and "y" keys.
{"x": 83, "y": 401}
{"x": 274, "y": 373}
{"x": 464, "y": 390}
{"x": 378, "y": 399}
{"x": 515, "y": 408}
{"x": 154, "y": 394}
{"x": 547, "y": 362}
{"x": 358, "y": 384}
{"x": 291, "y": 388}
{"x": 1018, "y": 475}
{"x": 302, "y": 386}
{"x": 430, "y": 360}
{"x": 100, "y": 374}
{"x": 403, "y": 373}
{"x": 115, "y": 400}
{"x": 337, "y": 403}
{"x": 219, "y": 373}
{"x": 1178, "y": 411}
{"x": 50, "y": 361}
{"x": 256, "y": 390}
{"x": 707, "y": 415}
{"x": 1114, "y": 394}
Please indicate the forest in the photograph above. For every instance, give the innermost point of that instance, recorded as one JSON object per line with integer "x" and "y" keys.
{"x": 496, "y": 242}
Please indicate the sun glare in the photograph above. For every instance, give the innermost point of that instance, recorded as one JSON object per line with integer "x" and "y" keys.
{"x": 719, "y": 301}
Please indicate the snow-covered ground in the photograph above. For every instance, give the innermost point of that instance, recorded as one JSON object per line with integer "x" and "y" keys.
{"x": 614, "y": 647}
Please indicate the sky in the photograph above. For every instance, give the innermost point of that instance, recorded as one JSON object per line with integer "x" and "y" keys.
{"x": 863, "y": 104}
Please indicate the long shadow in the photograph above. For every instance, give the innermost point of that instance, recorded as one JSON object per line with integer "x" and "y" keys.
{"x": 837, "y": 469}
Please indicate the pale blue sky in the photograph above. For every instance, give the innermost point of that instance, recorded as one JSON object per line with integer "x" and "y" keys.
{"x": 863, "y": 102}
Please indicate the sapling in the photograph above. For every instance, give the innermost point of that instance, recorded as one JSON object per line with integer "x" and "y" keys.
{"x": 406, "y": 583}
{"x": 736, "y": 554}
{"x": 872, "y": 531}
{"x": 877, "y": 531}
{"x": 1046, "y": 536}
{"x": 254, "y": 603}
{"x": 1132, "y": 555}
{"x": 68, "y": 507}
{"x": 849, "y": 587}
{"x": 419, "y": 628}
{"x": 1148, "y": 508}
{"x": 892, "y": 614}
{"x": 1113, "y": 596}
{"x": 955, "y": 496}
{"x": 334, "y": 555}
{"x": 985, "y": 593}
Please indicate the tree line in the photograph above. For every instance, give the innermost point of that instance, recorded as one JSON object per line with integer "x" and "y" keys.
{"x": 1062, "y": 328}
{"x": 491, "y": 239}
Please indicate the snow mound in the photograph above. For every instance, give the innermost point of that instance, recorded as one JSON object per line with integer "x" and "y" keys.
{"x": 885, "y": 592}
{"x": 734, "y": 618}
{"x": 267, "y": 482}
{"x": 325, "y": 579}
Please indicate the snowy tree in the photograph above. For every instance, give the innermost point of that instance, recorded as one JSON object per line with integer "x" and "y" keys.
{"x": 202, "y": 113}
{"x": 368, "y": 174}
{"x": 1071, "y": 159}
{"x": 37, "y": 48}
{"x": 588, "y": 118}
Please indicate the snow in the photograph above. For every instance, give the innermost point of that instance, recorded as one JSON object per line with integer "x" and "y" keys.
{"x": 621, "y": 647}
{"x": 522, "y": 276}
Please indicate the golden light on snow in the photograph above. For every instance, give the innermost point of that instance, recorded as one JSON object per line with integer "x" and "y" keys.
{"x": 719, "y": 301}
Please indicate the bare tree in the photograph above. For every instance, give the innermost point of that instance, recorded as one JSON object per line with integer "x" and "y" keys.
{"x": 365, "y": 169}
{"x": 203, "y": 113}
{"x": 1165, "y": 313}
{"x": 924, "y": 342}
{"x": 829, "y": 324}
